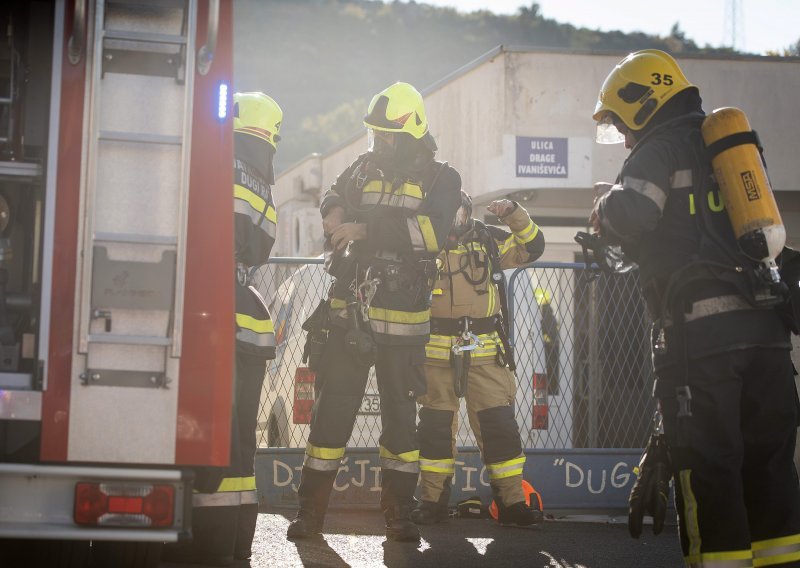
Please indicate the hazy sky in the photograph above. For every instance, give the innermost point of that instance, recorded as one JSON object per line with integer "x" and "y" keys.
{"x": 763, "y": 24}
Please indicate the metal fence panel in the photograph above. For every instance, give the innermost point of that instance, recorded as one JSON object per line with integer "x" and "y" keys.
{"x": 587, "y": 348}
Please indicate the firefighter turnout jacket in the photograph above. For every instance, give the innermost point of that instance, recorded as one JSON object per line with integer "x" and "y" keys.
{"x": 464, "y": 287}
{"x": 667, "y": 211}
{"x": 465, "y": 294}
{"x": 255, "y": 229}
{"x": 408, "y": 217}
{"x": 724, "y": 372}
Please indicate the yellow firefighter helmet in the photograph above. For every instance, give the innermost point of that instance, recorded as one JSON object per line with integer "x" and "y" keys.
{"x": 258, "y": 115}
{"x": 637, "y": 87}
{"x": 398, "y": 108}
{"x": 542, "y": 296}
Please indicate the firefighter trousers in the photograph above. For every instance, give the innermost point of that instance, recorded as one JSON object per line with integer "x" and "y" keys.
{"x": 225, "y": 509}
{"x": 736, "y": 486}
{"x": 340, "y": 387}
{"x": 489, "y": 398}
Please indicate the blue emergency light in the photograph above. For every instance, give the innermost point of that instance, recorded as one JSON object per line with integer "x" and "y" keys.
{"x": 222, "y": 110}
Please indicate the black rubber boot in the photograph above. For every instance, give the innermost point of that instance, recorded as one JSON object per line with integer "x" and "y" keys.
{"x": 306, "y": 524}
{"x": 430, "y": 512}
{"x": 314, "y": 493}
{"x": 517, "y": 514}
{"x": 399, "y": 526}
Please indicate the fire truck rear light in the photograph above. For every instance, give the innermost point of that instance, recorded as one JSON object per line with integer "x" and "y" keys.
{"x": 124, "y": 505}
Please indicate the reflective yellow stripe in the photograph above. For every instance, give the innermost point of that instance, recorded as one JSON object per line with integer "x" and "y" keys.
{"x": 733, "y": 559}
{"x": 255, "y": 201}
{"x": 437, "y": 353}
{"x": 409, "y": 189}
{"x": 253, "y": 324}
{"x": 527, "y": 234}
{"x": 439, "y": 346}
{"x": 230, "y": 484}
{"x": 508, "y": 244}
{"x": 776, "y": 550}
{"x": 437, "y": 291}
{"x": 405, "y": 457}
{"x": 690, "y": 512}
{"x": 428, "y": 234}
{"x": 338, "y": 304}
{"x": 507, "y": 468}
{"x": 467, "y": 248}
{"x": 492, "y": 292}
{"x": 438, "y": 466}
{"x": 397, "y": 316}
{"x": 324, "y": 453}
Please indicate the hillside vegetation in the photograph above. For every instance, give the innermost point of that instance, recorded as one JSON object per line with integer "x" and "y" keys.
{"x": 323, "y": 60}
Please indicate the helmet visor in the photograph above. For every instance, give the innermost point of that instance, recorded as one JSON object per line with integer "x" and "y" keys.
{"x": 607, "y": 131}
{"x": 381, "y": 143}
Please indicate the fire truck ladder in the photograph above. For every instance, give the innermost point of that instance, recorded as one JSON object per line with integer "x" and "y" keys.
{"x": 136, "y": 190}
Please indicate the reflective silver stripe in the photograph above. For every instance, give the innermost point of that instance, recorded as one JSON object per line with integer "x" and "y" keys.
{"x": 320, "y": 464}
{"x": 648, "y": 189}
{"x": 257, "y": 339}
{"x": 789, "y": 551}
{"x": 415, "y": 233}
{"x": 226, "y": 499}
{"x": 681, "y": 179}
{"x": 268, "y": 227}
{"x": 394, "y": 328}
{"x": 397, "y": 465}
{"x": 256, "y": 217}
{"x": 528, "y": 233}
{"x": 249, "y": 497}
{"x": 713, "y": 306}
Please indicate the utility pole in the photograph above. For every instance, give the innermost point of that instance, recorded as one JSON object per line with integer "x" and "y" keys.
{"x": 733, "y": 34}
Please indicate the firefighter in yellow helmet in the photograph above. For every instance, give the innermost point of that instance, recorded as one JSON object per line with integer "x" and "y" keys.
{"x": 225, "y": 503}
{"x": 724, "y": 373}
{"x": 469, "y": 356}
{"x": 385, "y": 218}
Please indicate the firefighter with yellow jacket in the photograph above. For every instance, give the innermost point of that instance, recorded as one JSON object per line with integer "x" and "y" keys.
{"x": 225, "y": 503}
{"x": 468, "y": 356}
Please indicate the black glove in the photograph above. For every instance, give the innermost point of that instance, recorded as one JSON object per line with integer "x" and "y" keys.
{"x": 651, "y": 491}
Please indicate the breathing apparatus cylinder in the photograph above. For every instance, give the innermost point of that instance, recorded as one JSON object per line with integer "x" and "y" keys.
{"x": 742, "y": 178}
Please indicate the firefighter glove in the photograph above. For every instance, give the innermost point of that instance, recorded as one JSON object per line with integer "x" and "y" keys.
{"x": 651, "y": 491}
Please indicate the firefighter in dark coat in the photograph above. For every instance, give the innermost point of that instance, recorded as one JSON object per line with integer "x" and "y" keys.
{"x": 225, "y": 503}
{"x": 385, "y": 218}
{"x": 722, "y": 357}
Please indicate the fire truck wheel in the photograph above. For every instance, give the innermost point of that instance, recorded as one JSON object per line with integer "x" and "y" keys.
{"x": 126, "y": 554}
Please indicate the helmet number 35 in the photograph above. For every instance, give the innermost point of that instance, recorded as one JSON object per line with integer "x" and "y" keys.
{"x": 659, "y": 79}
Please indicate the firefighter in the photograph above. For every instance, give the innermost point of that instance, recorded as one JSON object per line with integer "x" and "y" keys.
{"x": 225, "y": 503}
{"x": 467, "y": 357}
{"x": 385, "y": 218}
{"x": 721, "y": 355}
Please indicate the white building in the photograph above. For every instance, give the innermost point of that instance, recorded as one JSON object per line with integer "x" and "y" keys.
{"x": 517, "y": 123}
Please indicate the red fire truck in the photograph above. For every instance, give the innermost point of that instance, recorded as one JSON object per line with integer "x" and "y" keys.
{"x": 116, "y": 296}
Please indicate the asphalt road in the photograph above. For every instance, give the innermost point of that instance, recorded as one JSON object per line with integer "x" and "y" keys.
{"x": 356, "y": 538}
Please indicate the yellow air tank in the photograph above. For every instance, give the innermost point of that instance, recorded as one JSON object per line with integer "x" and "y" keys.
{"x": 743, "y": 181}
